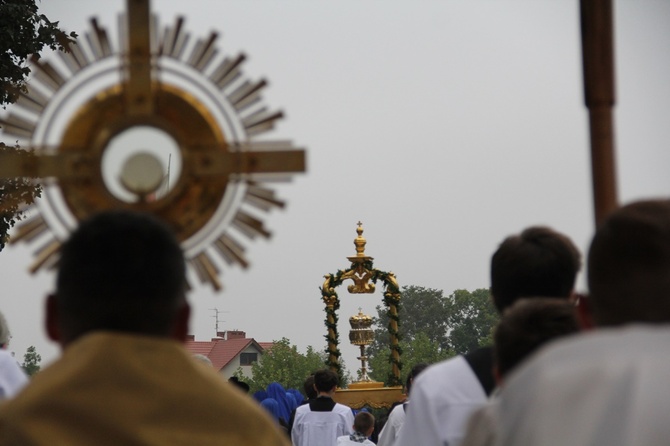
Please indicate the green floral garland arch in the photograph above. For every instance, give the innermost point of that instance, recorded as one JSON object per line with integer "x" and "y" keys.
{"x": 392, "y": 303}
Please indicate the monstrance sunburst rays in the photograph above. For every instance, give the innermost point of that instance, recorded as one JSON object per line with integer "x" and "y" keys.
{"x": 77, "y": 110}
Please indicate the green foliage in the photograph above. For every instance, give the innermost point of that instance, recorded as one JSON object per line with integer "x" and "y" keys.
{"x": 425, "y": 310}
{"x": 419, "y": 349}
{"x": 434, "y": 327}
{"x": 31, "y": 361}
{"x": 14, "y": 194}
{"x": 284, "y": 364}
{"x": 329, "y": 296}
{"x": 24, "y": 32}
{"x": 472, "y": 318}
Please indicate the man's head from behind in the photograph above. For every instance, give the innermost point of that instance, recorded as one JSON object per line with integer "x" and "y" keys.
{"x": 629, "y": 265}
{"x": 527, "y": 325}
{"x": 325, "y": 380}
{"x": 364, "y": 423}
{"x": 119, "y": 271}
{"x": 537, "y": 262}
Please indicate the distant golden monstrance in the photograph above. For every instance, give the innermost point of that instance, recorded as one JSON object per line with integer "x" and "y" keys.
{"x": 93, "y": 119}
{"x": 364, "y": 392}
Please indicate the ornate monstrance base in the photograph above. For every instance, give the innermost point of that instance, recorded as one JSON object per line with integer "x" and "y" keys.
{"x": 369, "y": 394}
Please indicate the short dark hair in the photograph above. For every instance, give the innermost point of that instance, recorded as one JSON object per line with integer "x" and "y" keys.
{"x": 325, "y": 380}
{"x": 418, "y": 368}
{"x": 537, "y": 262}
{"x": 629, "y": 265}
{"x": 120, "y": 271}
{"x": 363, "y": 422}
{"x": 234, "y": 380}
{"x": 308, "y": 386}
{"x": 527, "y": 325}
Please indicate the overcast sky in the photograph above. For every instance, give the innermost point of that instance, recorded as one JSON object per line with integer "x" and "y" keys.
{"x": 443, "y": 126}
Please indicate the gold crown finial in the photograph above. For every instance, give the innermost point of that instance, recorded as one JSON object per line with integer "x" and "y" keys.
{"x": 360, "y": 241}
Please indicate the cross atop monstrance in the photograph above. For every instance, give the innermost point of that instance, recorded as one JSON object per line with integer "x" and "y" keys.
{"x": 162, "y": 82}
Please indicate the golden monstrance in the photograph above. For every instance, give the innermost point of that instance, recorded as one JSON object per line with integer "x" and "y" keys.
{"x": 155, "y": 122}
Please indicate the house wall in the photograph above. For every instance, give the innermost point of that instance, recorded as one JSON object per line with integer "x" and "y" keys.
{"x": 232, "y": 366}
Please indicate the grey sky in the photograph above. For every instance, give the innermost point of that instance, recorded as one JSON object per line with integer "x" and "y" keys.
{"x": 443, "y": 126}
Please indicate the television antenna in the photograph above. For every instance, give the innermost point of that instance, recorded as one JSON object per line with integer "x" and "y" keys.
{"x": 216, "y": 316}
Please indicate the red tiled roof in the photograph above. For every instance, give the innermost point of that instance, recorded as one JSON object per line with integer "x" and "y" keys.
{"x": 199, "y": 347}
{"x": 222, "y": 351}
{"x": 266, "y": 345}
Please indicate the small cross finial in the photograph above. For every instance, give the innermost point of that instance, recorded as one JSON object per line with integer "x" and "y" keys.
{"x": 360, "y": 310}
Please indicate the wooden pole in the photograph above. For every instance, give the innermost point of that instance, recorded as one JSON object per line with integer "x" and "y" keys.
{"x": 598, "y": 63}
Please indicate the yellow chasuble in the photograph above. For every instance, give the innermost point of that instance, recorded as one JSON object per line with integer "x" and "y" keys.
{"x": 123, "y": 389}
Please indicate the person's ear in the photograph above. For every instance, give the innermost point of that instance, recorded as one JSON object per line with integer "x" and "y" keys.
{"x": 51, "y": 321}
{"x": 584, "y": 312}
{"x": 180, "y": 327}
{"x": 497, "y": 376}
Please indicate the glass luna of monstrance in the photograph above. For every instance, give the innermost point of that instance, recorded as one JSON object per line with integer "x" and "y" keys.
{"x": 362, "y": 335}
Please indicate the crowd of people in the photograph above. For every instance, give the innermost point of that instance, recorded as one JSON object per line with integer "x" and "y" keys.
{"x": 564, "y": 368}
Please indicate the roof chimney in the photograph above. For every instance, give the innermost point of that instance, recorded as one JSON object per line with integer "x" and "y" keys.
{"x": 235, "y": 334}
